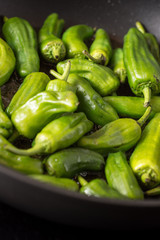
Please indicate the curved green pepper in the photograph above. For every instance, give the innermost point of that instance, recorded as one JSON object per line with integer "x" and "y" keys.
{"x": 144, "y": 160}
{"x": 32, "y": 84}
{"x": 91, "y": 103}
{"x": 22, "y": 38}
{"x": 74, "y": 38}
{"x": 71, "y": 161}
{"x": 51, "y": 46}
{"x": 58, "y": 134}
{"x": 119, "y": 176}
{"x": 143, "y": 71}
{"x": 101, "y": 78}
{"x": 42, "y": 108}
{"x": 7, "y": 62}
{"x": 101, "y": 49}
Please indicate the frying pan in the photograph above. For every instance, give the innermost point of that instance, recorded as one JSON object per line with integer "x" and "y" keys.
{"x": 59, "y": 205}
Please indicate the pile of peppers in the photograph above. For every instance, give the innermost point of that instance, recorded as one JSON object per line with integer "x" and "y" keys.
{"x": 91, "y": 120}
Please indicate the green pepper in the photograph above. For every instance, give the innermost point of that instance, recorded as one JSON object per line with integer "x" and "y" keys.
{"x": 23, "y": 164}
{"x": 101, "y": 78}
{"x": 119, "y": 135}
{"x": 117, "y": 64}
{"x": 144, "y": 160}
{"x": 91, "y": 103}
{"x": 22, "y": 38}
{"x": 71, "y": 161}
{"x": 42, "y": 108}
{"x": 32, "y": 84}
{"x": 98, "y": 188}
{"x": 120, "y": 176}
{"x": 65, "y": 183}
{"x": 6, "y": 126}
{"x": 74, "y": 38}
{"x": 58, "y": 134}
{"x": 101, "y": 49}
{"x": 143, "y": 71}
{"x": 51, "y": 46}
{"x": 7, "y": 62}
{"x": 131, "y": 106}
{"x": 151, "y": 41}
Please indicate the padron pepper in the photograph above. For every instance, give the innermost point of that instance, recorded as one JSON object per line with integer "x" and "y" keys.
{"x": 101, "y": 78}
{"x": 22, "y": 38}
{"x": 143, "y": 70}
{"x": 58, "y": 134}
{"x": 74, "y": 39}
{"x": 72, "y": 161}
{"x": 119, "y": 135}
{"x": 42, "y": 108}
{"x": 51, "y": 46}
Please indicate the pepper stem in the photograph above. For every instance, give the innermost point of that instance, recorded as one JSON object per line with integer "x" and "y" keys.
{"x": 24, "y": 152}
{"x": 140, "y": 27}
{"x": 82, "y": 181}
{"x": 65, "y": 75}
{"x": 147, "y": 96}
{"x": 145, "y": 116}
{"x": 101, "y": 60}
{"x": 14, "y": 136}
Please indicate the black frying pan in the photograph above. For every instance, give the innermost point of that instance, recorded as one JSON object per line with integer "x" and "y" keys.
{"x": 57, "y": 204}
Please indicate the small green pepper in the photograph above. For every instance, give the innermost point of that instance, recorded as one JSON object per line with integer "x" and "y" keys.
{"x": 71, "y": 161}
{"x": 51, "y": 46}
{"x": 32, "y": 84}
{"x": 22, "y": 38}
{"x": 143, "y": 71}
{"x": 58, "y": 134}
{"x": 98, "y": 188}
{"x": 42, "y": 108}
{"x": 144, "y": 160}
{"x": 101, "y": 49}
{"x": 7, "y": 62}
{"x": 101, "y": 78}
{"x": 74, "y": 38}
{"x": 119, "y": 176}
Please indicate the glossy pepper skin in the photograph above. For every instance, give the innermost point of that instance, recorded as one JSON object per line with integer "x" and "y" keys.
{"x": 72, "y": 161}
{"x": 42, "y": 108}
{"x": 32, "y": 84}
{"x": 101, "y": 78}
{"x": 143, "y": 71}
{"x": 7, "y": 62}
{"x": 22, "y": 38}
{"x": 74, "y": 38}
{"x": 51, "y": 46}
{"x": 144, "y": 160}
{"x": 65, "y": 183}
{"x": 101, "y": 49}
{"x": 23, "y": 164}
{"x": 58, "y": 134}
{"x": 120, "y": 176}
{"x": 91, "y": 103}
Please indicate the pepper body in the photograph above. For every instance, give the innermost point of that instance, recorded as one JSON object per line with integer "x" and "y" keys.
{"x": 42, "y": 108}
{"x": 144, "y": 160}
{"x": 74, "y": 38}
{"x": 143, "y": 71}
{"x": 72, "y": 161}
{"x": 91, "y": 103}
{"x": 119, "y": 176}
{"x": 33, "y": 84}
{"x": 7, "y": 62}
{"x": 22, "y": 38}
{"x": 51, "y": 46}
{"x": 58, "y": 134}
{"x": 101, "y": 78}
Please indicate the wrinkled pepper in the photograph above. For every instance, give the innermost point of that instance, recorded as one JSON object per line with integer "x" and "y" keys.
{"x": 101, "y": 78}
{"x": 72, "y": 161}
{"x": 42, "y": 108}
{"x": 22, "y": 38}
{"x": 51, "y": 46}
{"x": 58, "y": 134}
